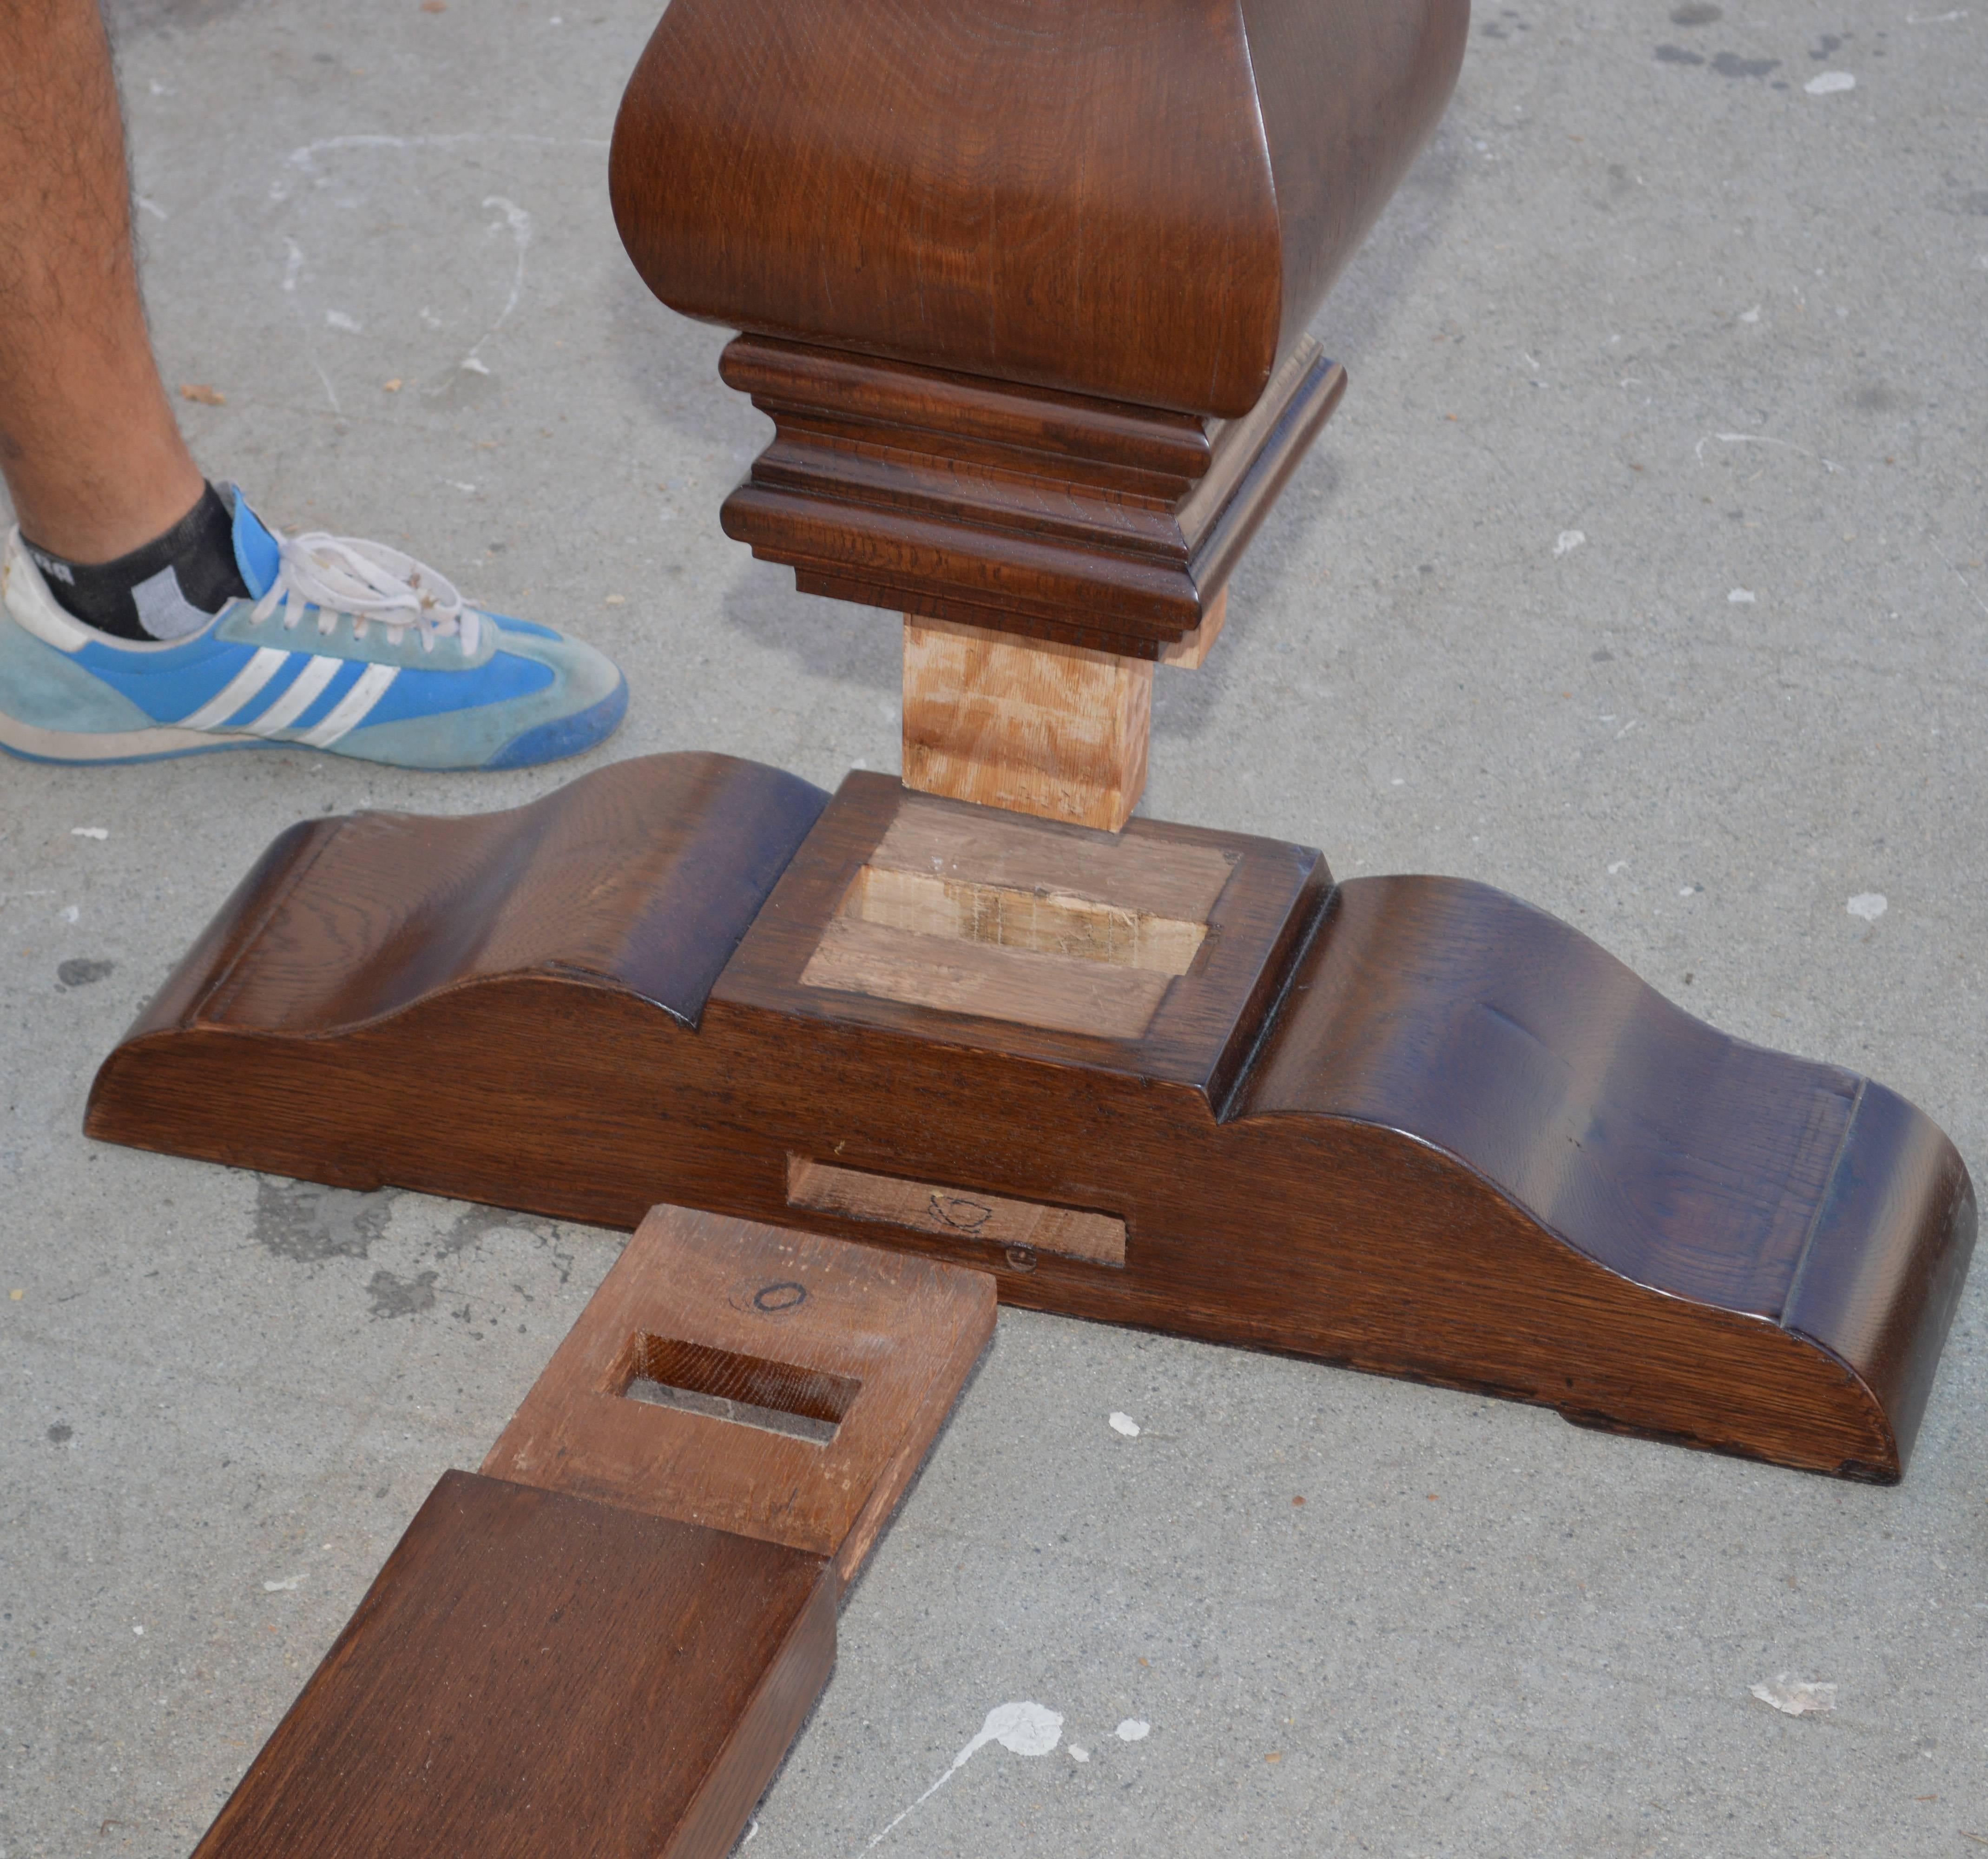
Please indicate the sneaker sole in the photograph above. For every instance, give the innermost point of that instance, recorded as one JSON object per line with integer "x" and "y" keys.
{"x": 553, "y": 742}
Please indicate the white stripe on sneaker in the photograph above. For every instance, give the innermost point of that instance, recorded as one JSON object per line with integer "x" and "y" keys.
{"x": 237, "y": 691}
{"x": 351, "y": 710}
{"x": 297, "y": 699}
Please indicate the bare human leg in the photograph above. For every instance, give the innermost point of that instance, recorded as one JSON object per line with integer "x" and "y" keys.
{"x": 93, "y": 460}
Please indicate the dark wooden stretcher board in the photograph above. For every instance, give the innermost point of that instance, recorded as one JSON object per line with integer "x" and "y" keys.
{"x": 603, "y": 1641}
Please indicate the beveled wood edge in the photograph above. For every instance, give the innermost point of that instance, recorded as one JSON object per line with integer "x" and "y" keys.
{"x": 766, "y": 1731}
{"x": 1012, "y": 575}
{"x": 782, "y": 376}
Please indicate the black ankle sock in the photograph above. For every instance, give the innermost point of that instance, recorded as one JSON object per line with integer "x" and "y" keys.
{"x": 169, "y": 589}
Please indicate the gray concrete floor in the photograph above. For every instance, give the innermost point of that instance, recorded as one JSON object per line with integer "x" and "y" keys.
{"x": 1640, "y": 573}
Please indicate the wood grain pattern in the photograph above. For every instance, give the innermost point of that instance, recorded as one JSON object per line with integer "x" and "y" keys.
{"x": 534, "y": 1676}
{"x": 1051, "y": 516}
{"x": 810, "y": 1314}
{"x": 1030, "y": 726}
{"x": 1038, "y": 921}
{"x": 1406, "y": 1124}
{"x": 1141, "y": 204}
{"x": 1190, "y": 651}
{"x": 926, "y": 1207}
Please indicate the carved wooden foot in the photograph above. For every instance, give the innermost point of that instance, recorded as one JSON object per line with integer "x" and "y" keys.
{"x": 1172, "y": 1078}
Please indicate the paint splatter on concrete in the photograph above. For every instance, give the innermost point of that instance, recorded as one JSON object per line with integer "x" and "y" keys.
{"x": 1025, "y": 1728}
{"x": 306, "y": 1223}
{"x": 393, "y": 1295}
{"x": 1125, "y": 1423}
{"x": 1827, "y": 83}
{"x": 1795, "y": 1696}
{"x": 1869, "y": 904}
{"x": 1134, "y": 1729}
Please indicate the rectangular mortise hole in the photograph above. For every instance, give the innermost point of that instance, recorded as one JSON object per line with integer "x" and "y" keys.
{"x": 1032, "y": 922}
{"x": 697, "y": 1378}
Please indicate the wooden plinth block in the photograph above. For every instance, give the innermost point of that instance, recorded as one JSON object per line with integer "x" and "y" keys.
{"x": 1032, "y": 727}
{"x": 1049, "y": 515}
{"x": 1406, "y": 1124}
{"x": 603, "y": 1643}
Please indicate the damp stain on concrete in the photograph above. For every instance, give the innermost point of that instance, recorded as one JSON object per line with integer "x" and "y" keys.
{"x": 307, "y": 1224}
{"x": 80, "y": 970}
{"x": 394, "y": 1296}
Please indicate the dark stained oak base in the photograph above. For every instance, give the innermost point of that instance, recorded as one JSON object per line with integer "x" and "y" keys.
{"x": 1171, "y": 1078}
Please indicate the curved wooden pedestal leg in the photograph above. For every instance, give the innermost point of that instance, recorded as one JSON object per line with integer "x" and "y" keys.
{"x": 1169, "y": 1078}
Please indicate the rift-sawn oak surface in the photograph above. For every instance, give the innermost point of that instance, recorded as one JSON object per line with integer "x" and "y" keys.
{"x": 1407, "y": 1124}
{"x": 876, "y": 1345}
{"x": 533, "y": 1676}
{"x": 603, "y": 1643}
{"x": 1142, "y": 203}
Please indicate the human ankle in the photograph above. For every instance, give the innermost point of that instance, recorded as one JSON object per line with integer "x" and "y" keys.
{"x": 168, "y": 588}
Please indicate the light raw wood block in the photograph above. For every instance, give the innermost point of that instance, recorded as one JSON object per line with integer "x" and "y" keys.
{"x": 1033, "y": 726}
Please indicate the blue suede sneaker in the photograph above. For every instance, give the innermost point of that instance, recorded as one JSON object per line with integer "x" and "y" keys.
{"x": 343, "y": 645}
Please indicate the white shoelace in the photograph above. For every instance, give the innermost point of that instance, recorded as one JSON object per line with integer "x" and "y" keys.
{"x": 340, "y": 575}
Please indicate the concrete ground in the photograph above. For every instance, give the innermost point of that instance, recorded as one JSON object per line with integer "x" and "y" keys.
{"x": 1640, "y": 573}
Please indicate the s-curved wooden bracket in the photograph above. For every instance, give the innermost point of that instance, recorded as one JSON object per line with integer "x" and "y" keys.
{"x": 1172, "y": 1078}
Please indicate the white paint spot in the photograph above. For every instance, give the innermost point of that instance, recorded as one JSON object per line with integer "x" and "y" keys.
{"x": 70, "y": 913}
{"x": 1026, "y": 1729}
{"x": 90, "y": 832}
{"x": 468, "y": 490}
{"x": 1621, "y": 865}
{"x": 1795, "y": 1695}
{"x": 1869, "y": 904}
{"x": 338, "y": 319}
{"x": 140, "y": 1632}
{"x": 431, "y": 320}
{"x": 1078, "y": 1754}
{"x": 1125, "y": 1423}
{"x": 150, "y": 206}
{"x": 1134, "y": 1729}
{"x": 1751, "y": 315}
{"x": 283, "y": 1587}
{"x": 1743, "y": 596}
{"x": 751, "y": 1834}
{"x": 1568, "y": 541}
{"x": 1827, "y": 83}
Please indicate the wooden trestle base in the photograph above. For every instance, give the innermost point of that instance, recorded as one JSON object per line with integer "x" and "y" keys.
{"x": 1173, "y": 1078}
